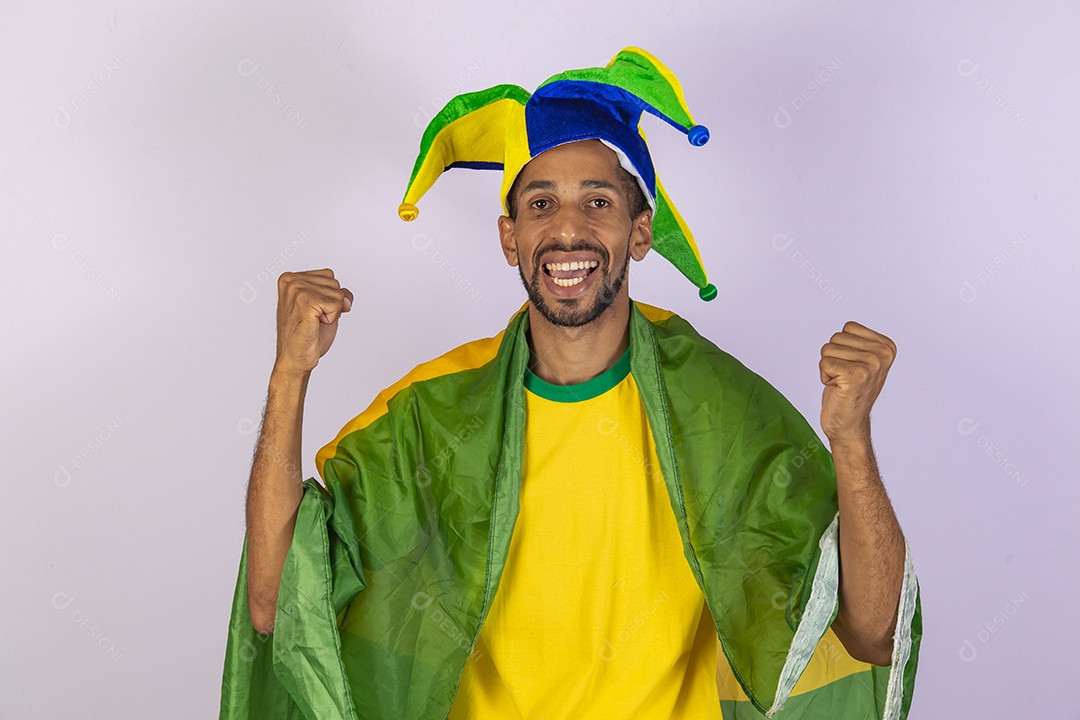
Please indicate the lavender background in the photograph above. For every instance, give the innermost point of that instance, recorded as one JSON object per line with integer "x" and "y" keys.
{"x": 908, "y": 165}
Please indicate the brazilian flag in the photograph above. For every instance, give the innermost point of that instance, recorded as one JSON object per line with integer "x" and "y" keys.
{"x": 394, "y": 564}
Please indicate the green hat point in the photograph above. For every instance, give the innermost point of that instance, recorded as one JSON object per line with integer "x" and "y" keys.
{"x": 708, "y": 292}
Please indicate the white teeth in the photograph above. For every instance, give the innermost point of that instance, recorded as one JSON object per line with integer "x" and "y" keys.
{"x": 567, "y": 282}
{"x": 571, "y": 265}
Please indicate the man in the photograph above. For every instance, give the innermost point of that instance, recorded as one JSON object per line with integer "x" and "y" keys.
{"x": 493, "y": 550}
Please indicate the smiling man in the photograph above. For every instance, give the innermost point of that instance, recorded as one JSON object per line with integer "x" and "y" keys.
{"x": 596, "y": 513}
{"x": 572, "y": 232}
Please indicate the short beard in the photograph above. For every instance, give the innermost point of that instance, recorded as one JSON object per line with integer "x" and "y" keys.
{"x": 565, "y": 315}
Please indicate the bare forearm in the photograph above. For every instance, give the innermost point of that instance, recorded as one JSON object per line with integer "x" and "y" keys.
{"x": 871, "y": 555}
{"x": 274, "y": 492}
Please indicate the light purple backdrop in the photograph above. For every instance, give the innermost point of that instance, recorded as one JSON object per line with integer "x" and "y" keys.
{"x": 905, "y": 165}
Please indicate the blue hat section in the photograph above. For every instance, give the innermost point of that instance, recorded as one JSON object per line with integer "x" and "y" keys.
{"x": 570, "y": 110}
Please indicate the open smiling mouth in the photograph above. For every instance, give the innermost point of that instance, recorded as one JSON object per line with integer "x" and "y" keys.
{"x": 569, "y": 274}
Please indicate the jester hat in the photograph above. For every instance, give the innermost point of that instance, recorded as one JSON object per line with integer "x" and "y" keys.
{"x": 504, "y": 127}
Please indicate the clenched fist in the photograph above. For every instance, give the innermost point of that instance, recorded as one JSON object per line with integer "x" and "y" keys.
{"x": 309, "y": 305}
{"x": 853, "y": 366}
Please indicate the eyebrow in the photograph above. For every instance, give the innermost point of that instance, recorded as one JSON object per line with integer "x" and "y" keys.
{"x": 550, "y": 185}
{"x": 538, "y": 185}
{"x": 598, "y": 185}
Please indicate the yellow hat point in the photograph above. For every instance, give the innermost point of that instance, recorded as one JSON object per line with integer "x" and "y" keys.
{"x": 407, "y": 212}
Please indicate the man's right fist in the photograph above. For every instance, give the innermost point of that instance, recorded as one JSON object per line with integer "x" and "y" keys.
{"x": 309, "y": 305}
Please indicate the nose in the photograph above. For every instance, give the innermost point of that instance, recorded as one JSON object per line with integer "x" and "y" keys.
{"x": 569, "y": 223}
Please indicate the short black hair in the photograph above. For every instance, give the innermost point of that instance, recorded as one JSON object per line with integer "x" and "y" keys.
{"x": 631, "y": 189}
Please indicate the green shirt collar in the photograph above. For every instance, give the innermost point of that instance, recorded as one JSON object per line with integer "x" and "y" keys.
{"x": 580, "y": 391}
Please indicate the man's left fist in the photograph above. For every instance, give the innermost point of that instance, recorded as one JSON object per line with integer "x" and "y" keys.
{"x": 853, "y": 366}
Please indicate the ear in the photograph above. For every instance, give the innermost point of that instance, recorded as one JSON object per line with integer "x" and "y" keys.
{"x": 641, "y": 235}
{"x": 508, "y": 240}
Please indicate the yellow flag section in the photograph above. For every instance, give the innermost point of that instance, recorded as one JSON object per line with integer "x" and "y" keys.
{"x": 464, "y": 357}
{"x": 830, "y": 672}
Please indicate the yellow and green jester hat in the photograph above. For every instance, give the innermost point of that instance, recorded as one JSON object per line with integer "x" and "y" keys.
{"x": 504, "y": 127}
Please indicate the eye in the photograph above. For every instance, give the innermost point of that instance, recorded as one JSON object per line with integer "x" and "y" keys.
{"x": 539, "y": 204}
{"x": 600, "y": 203}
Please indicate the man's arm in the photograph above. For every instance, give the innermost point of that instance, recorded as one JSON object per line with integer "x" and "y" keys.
{"x": 274, "y": 493}
{"x": 871, "y": 557}
{"x": 309, "y": 307}
{"x": 853, "y": 368}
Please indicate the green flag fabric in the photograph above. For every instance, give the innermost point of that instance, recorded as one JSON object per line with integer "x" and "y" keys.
{"x": 394, "y": 564}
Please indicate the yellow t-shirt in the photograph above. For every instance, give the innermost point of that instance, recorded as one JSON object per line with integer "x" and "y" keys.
{"x": 597, "y": 614}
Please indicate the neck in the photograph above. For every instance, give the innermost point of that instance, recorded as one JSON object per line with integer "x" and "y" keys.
{"x": 571, "y": 355}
